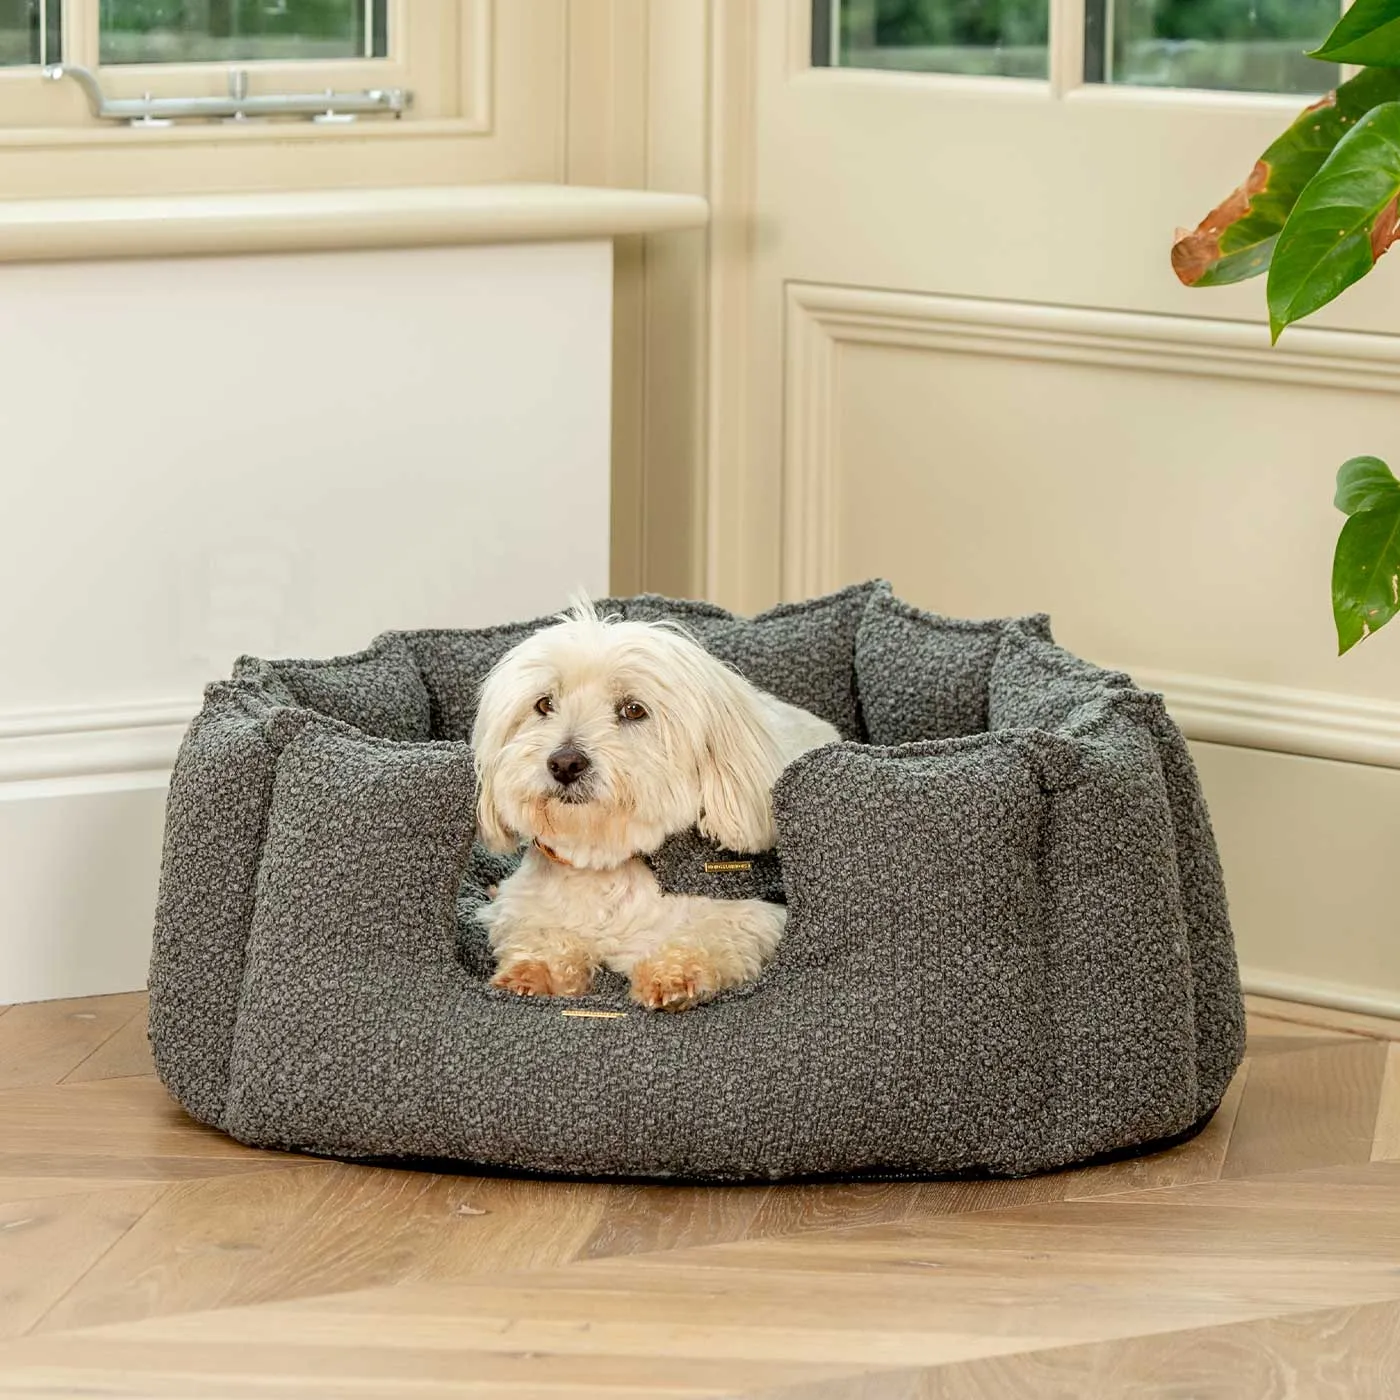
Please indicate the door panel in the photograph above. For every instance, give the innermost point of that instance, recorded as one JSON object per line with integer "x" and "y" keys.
{"x": 995, "y": 457}
{"x": 968, "y": 366}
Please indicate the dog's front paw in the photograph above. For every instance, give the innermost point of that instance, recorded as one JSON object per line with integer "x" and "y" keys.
{"x": 532, "y": 977}
{"x": 674, "y": 981}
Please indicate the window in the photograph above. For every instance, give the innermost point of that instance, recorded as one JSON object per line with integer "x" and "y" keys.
{"x": 29, "y": 32}
{"x": 481, "y": 74}
{"x": 1241, "y": 45}
{"x": 981, "y": 37}
{"x": 240, "y": 31}
{"x": 168, "y": 49}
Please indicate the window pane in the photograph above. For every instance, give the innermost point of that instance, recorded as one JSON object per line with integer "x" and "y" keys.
{"x": 1243, "y": 45}
{"x": 28, "y": 32}
{"x": 217, "y": 31}
{"x": 979, "y": 37}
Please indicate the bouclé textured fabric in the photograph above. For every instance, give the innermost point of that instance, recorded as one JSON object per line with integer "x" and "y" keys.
{"x": 802, "y": 652}
{"x": 379, "y": 690}
{"x": 1007, "y": 947}
{"x": 689, "y": 864}
{"x": 939, "y": 690}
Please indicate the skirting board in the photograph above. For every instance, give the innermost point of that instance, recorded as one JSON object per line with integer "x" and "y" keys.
{"x": 78, "y": 868}
{"x": 82, "y": 802}
{"x": 1310, "y": 992}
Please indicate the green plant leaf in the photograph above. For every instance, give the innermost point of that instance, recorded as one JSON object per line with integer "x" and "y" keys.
{"x": 1364, "y": 482}
{"x": 1366, "y": 573}
{"x": 1236, "y": 239}
{"x": 1345, "y": 218}
{"x": 1369, "y": 32}
{"x": 1366, "y": 567}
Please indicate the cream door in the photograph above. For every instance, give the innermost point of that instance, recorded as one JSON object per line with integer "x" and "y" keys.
{"x": 960, "y": 360}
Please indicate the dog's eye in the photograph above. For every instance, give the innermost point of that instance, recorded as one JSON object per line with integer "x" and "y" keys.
{"x": 631, "y": 711}
{"x": 544, "y": 705}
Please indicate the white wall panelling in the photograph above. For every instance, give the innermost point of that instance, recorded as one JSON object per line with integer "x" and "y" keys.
{"x": 822, "y": 320}
{"x": 1308, "y": 847}
{"x": 1313, "y": 723}
{"x": 965, "y": 364}
{"x": 1161, "y": 485}
{"x": 80, "y": 743}
{"x": 1012, "y": 456}
{"x": 281, "y": 455}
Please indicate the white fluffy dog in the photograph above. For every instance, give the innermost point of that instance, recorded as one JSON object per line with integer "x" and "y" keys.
{"x": 595, "y": 739}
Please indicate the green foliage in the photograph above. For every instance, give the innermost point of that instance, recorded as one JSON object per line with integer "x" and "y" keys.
{"x": 1368, "y": 33}
{"x": 911, "y": 23}
{"x": 1343, "y": 220}
{"x": 1337, "y": 220}
{"x": 223, "y": 31}
{"x": 1012, "y": 23}
{"x": 1249, "y": 45}
{"x": 1366, "y": 566}
{"x": 1362, "y": 483}
{"x": 227, "y": 18}
{"x": 1225, "y": 19}
{"x": 1235, "y": 250}
{"x": 935, "y": 23}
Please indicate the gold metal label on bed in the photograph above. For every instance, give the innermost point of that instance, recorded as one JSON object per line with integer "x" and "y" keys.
{"x": 595, "y": 1015}
{"x": 725, "y": 867}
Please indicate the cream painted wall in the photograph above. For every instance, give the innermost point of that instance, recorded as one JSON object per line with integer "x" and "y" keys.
{"x": 771, "y": 438}
{"x": 1308, "y": 847}
{"x": 940, "y": 341}
{"x": 547, "y": 90}
{"x": 1072, "y": 463}
{"x": 1172, "y": 515}
{"x": 281, "y": 455}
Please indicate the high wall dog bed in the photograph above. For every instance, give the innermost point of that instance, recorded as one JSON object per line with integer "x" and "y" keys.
{"x": 1007, "y": 947}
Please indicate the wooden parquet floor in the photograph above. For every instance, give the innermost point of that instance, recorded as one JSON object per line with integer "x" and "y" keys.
{"x": 143, "y": 1255}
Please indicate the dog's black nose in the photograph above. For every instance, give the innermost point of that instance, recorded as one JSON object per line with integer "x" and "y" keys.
{"x": 568, "y": 764}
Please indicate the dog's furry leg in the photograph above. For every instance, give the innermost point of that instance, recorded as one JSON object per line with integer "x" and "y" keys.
{"x": 714, "y": 944}
{"x": 544, "y": 977}
{"x": 535, "y": 961}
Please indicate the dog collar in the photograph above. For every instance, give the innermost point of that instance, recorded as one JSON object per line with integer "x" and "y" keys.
{"x": 551, "y": 854}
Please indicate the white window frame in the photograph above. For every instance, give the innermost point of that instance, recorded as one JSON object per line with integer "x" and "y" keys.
{"x": 1066, "y": 63}
{"x": 439, "y": 50}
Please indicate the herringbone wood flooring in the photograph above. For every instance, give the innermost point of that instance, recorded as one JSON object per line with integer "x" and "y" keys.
{"x": 141, "y": 1254}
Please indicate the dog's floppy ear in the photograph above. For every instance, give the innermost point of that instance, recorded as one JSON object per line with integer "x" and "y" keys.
{"x": 490, "y": 731}
{"x": 739, "y": 764}
{"x": 490, "y": 824}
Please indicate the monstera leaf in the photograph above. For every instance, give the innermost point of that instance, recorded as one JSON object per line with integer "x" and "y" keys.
{"x": 1366, "y": 567}
{"x": 1236, "y": 239}
{"x": 1342, "y": 222}
{"x": 1369, "y": 32}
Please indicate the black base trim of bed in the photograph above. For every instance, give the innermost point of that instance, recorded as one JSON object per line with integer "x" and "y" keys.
{"x": 451, "y": 1167}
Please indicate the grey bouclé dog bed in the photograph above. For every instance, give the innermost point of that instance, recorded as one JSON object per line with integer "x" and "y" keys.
{"x": 1007, "y": 948}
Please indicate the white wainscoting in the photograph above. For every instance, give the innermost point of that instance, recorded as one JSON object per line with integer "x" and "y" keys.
{"x": 1252, "y": 715}
{"x": 1308, "y": 847}
{"x": 822, "y": 320}
{"x": 281, "y": 455}
{"x": 1161, "y": 485}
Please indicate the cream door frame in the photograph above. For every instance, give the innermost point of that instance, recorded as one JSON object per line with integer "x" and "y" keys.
{"x": 660, "y": 97}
